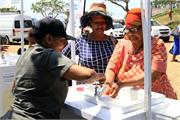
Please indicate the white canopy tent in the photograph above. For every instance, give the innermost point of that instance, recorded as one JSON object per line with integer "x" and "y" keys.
{"x": 146, "y": 16}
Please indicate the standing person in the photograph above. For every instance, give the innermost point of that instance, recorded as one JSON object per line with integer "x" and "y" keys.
{"x": 31, "y": 39}
{"x": 3, "y": 45}
{"x": 170, "y": 14}
{"x": 175, "y": 50}
{"x": 95, "y": 48}
{"x": 126, "y": 65}
{"x": 40, "y": 86}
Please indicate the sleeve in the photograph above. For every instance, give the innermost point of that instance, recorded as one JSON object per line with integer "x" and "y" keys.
{"x": 159, "y": 56}
{"x": 116, "y": 59}
{"x": 58, "y": 64}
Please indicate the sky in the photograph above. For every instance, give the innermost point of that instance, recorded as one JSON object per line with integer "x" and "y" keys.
{"x": 116, "y": 11}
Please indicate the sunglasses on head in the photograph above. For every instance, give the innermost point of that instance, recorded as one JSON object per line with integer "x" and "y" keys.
{"x": 132, "y": 30}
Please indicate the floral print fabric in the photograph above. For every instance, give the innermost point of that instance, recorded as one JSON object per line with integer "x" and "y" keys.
{"x": 126, "y": 65}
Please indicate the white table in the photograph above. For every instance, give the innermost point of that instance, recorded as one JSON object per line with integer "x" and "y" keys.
{"x": 7, "y": 71}
{"x": 75, "y": 103}
{"x": 6, "y": 78}
{"x": 167, "y": 110}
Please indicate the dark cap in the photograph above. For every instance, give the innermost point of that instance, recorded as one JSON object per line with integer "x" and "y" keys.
{"x": 52, "y": 26}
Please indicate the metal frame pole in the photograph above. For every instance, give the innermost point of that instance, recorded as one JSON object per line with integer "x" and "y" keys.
{"x": 72, "y": 32}
{"x": 146, "y": 17}
{"x": 22, "y": 27}
{"x": 84, "y": 11}
{"x": 72, "y": 29}
{"x": 84, "y": 7}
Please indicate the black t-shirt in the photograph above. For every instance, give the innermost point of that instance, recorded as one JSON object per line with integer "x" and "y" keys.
{"x": 40, "y": 90}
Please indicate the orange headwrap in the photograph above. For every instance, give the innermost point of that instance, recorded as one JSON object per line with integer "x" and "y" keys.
{"x": 133, "y": 18}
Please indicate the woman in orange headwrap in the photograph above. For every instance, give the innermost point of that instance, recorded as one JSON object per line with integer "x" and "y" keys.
{"x": 126, "y": 65}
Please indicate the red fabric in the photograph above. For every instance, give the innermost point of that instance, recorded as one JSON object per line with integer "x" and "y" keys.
{"x": 126, "y": 66}
{"x": 133, "y": 18}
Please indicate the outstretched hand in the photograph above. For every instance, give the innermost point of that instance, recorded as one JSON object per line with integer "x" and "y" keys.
{"x": 96, "y": 77}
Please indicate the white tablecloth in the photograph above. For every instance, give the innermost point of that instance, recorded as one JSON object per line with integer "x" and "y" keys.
{"x": 75, "y": 103}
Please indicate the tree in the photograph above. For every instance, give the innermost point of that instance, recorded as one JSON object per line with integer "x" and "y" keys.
{"x": 120, "y": 3}
{"x": 164, "y": 3}
{"x": 155, "y": 3}
{"x": 49, "y": 7}
{"x": 160, "y": 3}
{"x": 9, "y": 9}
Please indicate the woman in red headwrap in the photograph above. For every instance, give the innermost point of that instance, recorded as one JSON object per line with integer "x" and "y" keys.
{"x": 126, "y": 65}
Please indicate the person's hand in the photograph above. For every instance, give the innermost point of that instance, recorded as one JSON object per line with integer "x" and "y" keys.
{"x": 3, "y": 48}
{"x": 112, "y": 89}
{"x": 96, "y": 77}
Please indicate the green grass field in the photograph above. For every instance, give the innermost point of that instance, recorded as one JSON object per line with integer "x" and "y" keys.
{"x": 164, "y": 20}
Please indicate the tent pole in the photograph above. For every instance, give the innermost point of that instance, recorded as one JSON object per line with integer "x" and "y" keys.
{"x": 146, "y": 17}
{"x": 22, "y": 27}
{"x": 72, "y": 29}
{"x": 72, "y": 32}
{"x": 84, "y": 7}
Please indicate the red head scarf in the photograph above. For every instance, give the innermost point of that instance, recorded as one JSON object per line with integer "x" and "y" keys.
{"x": 133, "y": 18}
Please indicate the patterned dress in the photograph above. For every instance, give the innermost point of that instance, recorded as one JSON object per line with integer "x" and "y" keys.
{"x": 92, "y": 54}
{"x": 126, "y": 65}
